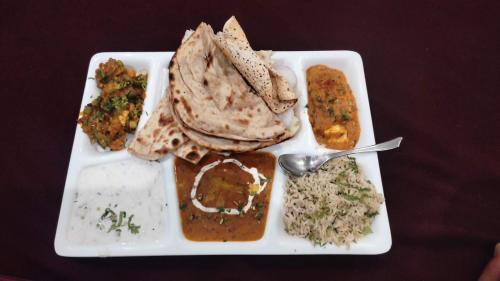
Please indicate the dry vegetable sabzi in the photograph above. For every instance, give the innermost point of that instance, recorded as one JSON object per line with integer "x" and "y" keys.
{"x": 115, "y": 113}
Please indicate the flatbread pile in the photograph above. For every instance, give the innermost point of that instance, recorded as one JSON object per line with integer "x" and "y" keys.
{"x": 223, "y": 96}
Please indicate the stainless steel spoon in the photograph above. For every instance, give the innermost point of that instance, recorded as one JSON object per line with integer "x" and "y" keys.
{"x": 300, "y": 164}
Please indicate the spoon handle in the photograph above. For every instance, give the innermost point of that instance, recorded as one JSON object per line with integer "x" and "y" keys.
{"x": 388, "y": 145}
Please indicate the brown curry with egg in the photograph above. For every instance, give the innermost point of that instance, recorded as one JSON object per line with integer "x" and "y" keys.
{"x": 224, "y": 187}
{"x": 332, "y": 108}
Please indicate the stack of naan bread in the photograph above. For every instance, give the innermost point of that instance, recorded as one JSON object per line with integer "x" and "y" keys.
{"x": 223, "y": 96}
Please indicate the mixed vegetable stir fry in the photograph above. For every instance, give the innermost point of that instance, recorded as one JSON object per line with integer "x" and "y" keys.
{"x": 115, "y": 113}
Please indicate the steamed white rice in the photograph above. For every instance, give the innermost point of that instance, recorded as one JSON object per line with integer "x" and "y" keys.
{"x": 336, "y": 204}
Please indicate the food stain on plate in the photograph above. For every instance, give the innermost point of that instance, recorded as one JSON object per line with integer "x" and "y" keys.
{"x": 332, "y": 108}
{"x": 225, "y": 198}
{"x": 118, "y": 202}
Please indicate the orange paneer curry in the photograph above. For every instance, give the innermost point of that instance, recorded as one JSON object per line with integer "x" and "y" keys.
{"x": 332, "y": 108}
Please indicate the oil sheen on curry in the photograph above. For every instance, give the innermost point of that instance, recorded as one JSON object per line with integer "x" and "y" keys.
{"x": 332, "y": 108}
{"x": 225, "y": 198}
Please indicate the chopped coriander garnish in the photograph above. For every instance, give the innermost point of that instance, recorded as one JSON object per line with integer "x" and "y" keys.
{"x": 352, "y": 164}
{"x": 122, "y": 215}
{"x": 331, "y": 112}
{"x": 346, "y": 116}
{"x": 366, "y": 230}
{"x": 117, "y": 222}
{"x": 349, "y": 197}
{"x": 239, "y": 207}
{"x": 183, "y": 206}
{"x": 260, "y": 211}
{"x": 259, "y": 215}
{"x": 134, "y": 229}
{"x": 107, "y": 211}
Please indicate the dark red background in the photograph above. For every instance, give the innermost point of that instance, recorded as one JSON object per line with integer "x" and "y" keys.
{"x": 433, "y": 76}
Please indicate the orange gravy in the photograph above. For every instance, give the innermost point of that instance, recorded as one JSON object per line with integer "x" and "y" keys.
{"x": 332, "y": 108}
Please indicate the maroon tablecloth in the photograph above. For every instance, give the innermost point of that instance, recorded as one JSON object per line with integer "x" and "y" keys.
{"x": 433, "y": 76}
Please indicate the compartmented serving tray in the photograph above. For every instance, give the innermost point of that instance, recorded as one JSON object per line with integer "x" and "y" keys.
{"x": 275, "y": 239}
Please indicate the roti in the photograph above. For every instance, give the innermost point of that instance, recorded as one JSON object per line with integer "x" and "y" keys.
{"x": 159, "y": 135}
{"x": 210, "y": 96}
{"x": 191, "y": 151}
{"x": 211, "y": 105}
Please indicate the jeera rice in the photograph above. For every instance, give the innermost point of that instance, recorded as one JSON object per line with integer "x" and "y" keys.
{"x": 335, "y": 204}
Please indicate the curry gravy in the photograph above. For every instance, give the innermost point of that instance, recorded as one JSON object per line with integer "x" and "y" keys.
{"x": 225, "y": 186}
{"x": 332, "y": 108}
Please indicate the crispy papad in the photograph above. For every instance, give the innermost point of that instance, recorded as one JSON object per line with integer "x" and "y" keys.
{"x": 256, "y": 69}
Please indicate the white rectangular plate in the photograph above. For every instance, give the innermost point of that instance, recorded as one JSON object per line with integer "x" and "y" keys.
{"x": 275, "y": 240}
